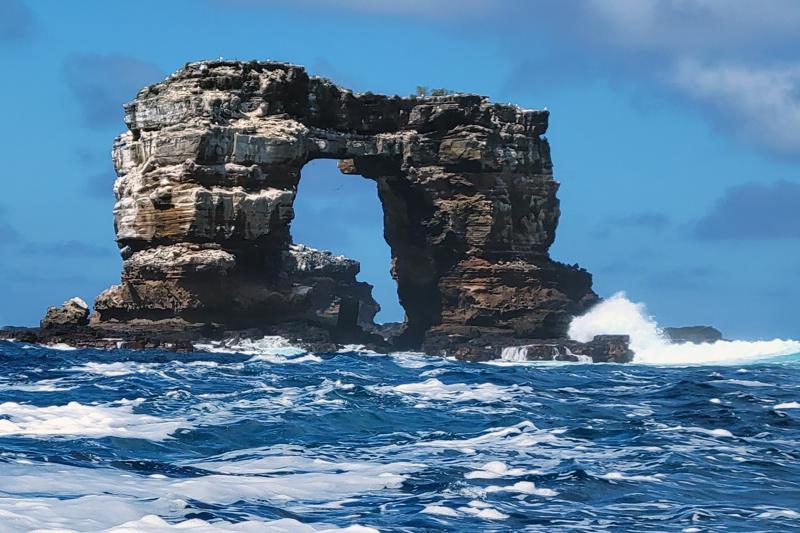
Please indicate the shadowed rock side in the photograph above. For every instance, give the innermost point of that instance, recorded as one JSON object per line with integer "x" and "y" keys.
{"x": 208, "y": 172}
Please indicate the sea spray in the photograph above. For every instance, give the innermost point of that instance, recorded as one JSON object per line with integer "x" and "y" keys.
{"x": 620, "y": 316}
{"x": 514, "y": 354}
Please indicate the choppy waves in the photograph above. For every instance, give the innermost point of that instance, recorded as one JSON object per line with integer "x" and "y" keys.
{"x": 260, "y": 436}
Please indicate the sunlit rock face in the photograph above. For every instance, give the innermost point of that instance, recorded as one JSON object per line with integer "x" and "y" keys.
{"x": 208, "y": 172}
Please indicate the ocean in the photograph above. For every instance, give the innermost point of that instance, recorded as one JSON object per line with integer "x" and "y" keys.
{"x": 260, "y": 436}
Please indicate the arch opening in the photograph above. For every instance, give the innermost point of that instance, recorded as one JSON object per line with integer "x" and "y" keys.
{"x": 342, "y": 213}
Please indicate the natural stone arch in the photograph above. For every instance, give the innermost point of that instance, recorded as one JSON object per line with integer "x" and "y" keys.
{"x": 207, "y": 175}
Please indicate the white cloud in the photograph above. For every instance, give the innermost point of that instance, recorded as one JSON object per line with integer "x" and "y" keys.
{"x": 713, "y": 52}
{"x": 761, "y": 104}
{"x": 698, "y": 26}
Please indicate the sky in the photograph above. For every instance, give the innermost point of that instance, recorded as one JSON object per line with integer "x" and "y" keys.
{"x": 674, "y": 127}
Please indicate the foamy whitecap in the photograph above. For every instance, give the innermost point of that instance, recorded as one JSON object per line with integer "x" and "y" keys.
{"x": 487, "y": 513}
{"x": 61, "y": 347}
{"x": 440, "y": 510}
{"x": 716, "y": 432}
{"x": 498, "y": 469}
{"x": 787, "y": 405}
{"x": 416, "y": 359}
{"x": 285, "y": 488}
{"x": 520, "y": 435}
{"x": 155, "y": 524}
{"x": 522, "y": 487}
{"x": 78, "y": 420}
{"x": 618, "y": 315}
{"x": 434, "y": 390}
{"x": 269, "y": 345}
{"x": 779, "y": 513}
{"x": 619, "y": 476}
{"x": 283, "y": 359}
{"x": 121, "y": 368}
{"x": 73, "y": 515}
{"x": 45, "y": 385}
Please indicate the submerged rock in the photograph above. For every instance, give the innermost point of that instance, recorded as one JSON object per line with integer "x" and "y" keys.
{"x": 208, "y": 171}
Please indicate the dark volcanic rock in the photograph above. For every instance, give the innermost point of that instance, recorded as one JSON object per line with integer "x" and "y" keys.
{"x": 601, "y": 349}
{"x": 209, "y": 169}
{"x": 694, "y": 334}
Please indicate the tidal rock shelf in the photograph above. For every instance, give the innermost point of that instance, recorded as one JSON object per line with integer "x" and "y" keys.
{"x": 207, "y": 174}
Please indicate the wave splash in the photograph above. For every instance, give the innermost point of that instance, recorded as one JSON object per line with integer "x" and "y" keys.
{"x": 618, "y": 315}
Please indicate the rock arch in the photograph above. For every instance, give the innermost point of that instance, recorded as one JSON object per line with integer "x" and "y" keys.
{"x": 207, "y": 175}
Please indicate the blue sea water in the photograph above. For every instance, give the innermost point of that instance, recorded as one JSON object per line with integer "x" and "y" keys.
{"x": 276, "y": 440}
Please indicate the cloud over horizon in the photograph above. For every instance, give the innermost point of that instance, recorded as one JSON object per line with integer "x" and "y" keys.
{"x": 16, "y": 21}
{"x": 733, "y": 59}
{"x": 753, "y": 211}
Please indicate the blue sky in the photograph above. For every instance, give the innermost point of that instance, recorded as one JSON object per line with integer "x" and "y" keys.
{"x": 675, "y": 132}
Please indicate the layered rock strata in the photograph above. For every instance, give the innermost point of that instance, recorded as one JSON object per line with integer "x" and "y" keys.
{"x": 209, "y": 169}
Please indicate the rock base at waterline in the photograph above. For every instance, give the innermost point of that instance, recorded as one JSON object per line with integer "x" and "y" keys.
{"x": 171, "y": 335}
{"x": 601, "y": 349}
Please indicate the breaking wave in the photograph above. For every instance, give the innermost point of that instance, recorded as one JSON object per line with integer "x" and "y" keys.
{"x": 618, "y": 315}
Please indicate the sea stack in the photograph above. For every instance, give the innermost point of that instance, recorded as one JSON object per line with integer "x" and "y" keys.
{"x": 207, "y": 175}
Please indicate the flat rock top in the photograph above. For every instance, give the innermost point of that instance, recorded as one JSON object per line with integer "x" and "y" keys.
{"x": 275, "y": 88}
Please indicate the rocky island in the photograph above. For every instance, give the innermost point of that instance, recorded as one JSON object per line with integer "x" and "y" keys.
{"x": 206, "y": 177}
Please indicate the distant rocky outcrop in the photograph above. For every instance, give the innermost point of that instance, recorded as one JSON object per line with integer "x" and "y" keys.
{"x": 693, "y": 334}
{"x": 208, "y": 172}
{"x": 71, "y": 314}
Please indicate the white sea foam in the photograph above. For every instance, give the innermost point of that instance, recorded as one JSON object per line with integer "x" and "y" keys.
{"x": 71, "y": 515}
{"x": 745, "y": 382}
{"x": 60, "y": 346}
{"x": 283, "y": 359}
{"x": 440, "y": 510}
{"x": 126, "y": 496}
{"x": 121, "y": 368}
{"x": 416, "y": 359}
{"x": 433, "y": 389}
{"x": 619, "y": 476}
{"x": 270, "y": 345}
{"x": 520, "y": 435}
{"x": 788, "y": 405}
{"x": 78, "y": 420}
{"x": 357, "y": 348}
{"x": 522, "y": 487}
{"x": 487, "y": 513}
{"x": 45, "y": 385}
{"x": 498, "y": 469}
{"x": 155, "y": 524}
{"x": 779, "y": 513}
{"x": 716, "y": 432}
{"x": 618, "y": 315}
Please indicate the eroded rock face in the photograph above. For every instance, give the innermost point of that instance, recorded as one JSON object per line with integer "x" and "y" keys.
{"x": 208, "y": 172}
